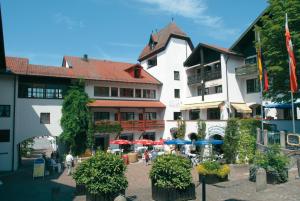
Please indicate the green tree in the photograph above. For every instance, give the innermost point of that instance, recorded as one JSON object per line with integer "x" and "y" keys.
{"x": 201, "y": 128}
{"x": 76, "y": 119}
{"x": 274, "y": 47}
{"x": 231, "y": 140}
{"x": 181, "y": 129}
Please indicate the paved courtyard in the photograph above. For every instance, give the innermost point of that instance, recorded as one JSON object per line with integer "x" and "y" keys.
{"x": 19, "y": 186}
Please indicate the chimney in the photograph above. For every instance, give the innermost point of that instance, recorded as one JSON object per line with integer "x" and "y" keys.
{"x": 85, "y": 57}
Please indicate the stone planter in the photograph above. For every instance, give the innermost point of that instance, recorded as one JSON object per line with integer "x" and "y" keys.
{"x": 212, "y": 178}
{"x": 80, "y": 189}
{"x": 102, "y": 197}
{"x": 162, "y": 194}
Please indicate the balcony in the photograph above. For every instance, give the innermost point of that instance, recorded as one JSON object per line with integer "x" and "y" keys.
{"x": 137, "y": 125}
{"x": 247, "y": 69}
{"x": 195, "y": 79}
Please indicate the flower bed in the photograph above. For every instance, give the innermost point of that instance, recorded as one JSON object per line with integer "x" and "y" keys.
{"x": 213, "y": 172}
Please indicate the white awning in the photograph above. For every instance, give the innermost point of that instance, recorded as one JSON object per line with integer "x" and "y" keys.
{"x": 241, "y": 107}
{"x": 195, "y": 106}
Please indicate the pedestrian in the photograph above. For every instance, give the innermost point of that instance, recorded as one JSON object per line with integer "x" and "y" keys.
{"x": 69, "y": 163}
{"x": 146, "y": 156}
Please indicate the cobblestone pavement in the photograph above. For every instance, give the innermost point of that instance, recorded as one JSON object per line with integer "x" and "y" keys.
{"x": 19, "y": 186}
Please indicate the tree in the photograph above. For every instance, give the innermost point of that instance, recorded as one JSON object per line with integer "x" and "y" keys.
{"x": 76, "y": 119}
{"x": 181, "y": 129}
{"x": 231, "y": 140}
{"x": 201, "y": 128}
{"x": 274, "y": 48}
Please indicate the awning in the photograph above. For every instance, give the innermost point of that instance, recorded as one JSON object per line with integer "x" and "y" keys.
{"x": 127, "y": 104}
{"x": 241, "y": 107}
{"x": 282, "y": 105}
{"x": 200, "y": 105}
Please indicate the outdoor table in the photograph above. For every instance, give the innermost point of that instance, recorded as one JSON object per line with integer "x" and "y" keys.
{"x": 132, "y": 157}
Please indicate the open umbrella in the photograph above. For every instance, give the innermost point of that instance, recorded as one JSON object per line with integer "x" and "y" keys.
{"x": 120, "y": 142}
{"x": 206, "y": 142}
{"x": 178, "y": 142}
{"x": 158, "y": 142}
{"x": 143, "y": 142}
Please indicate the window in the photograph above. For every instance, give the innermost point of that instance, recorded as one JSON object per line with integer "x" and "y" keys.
{"x": 213, "y": 113}
{"x": 101, "y": 91}
{"x": 176, "y": 75}
{"x": 4, "y": 110}
{"x": 194, "y": 114}
{"x": 37, "y": 91}
{"x": 126, "y": 116}
{"x": 100, "y": 116}
{"x": 150, "y": 116}
{"x": 252, "y": 86}
{"x": 138, "y": 93}
{"x": 206, "y": 92}
{"x": 114, "y": 92}
{"x": 177, "y": 115}
{"x": 199, "y": 90}
{"x": 126, "y": 92}
{"x": 218, "y": 89}
{"x": 137, "y": 72}
{"x": 177, "y": 93}
{"x": 149, "y": 135}
{"x": 4, "y": 135}
{"x": 45, "y": 118}
{"x": 152, "y": 62}
{"x": 149, "y": 93}
{"x": 251, "y": 60}
{"x": 218, "y": 67}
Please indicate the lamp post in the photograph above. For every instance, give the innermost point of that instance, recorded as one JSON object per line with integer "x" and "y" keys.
{"x": 203, "y": 188}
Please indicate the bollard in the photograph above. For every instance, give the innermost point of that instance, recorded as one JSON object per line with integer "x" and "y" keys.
{"x": 261, "y": 179}
{"x": 265, "y": 137}
{"x": 282, "y": 139}
{"x": 298, "y": 166}
{"x": 258, "y": 136}
{"x": 203, "y": 188}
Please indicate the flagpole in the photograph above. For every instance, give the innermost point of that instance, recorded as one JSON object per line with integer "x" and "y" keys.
{"x": 293, "y": 112}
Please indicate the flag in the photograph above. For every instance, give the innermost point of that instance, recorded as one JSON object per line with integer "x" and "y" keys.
{"x": 292, "y": 61}
{"x": 263, "y": 76}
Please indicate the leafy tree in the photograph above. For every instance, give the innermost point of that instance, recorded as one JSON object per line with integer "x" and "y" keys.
{"x": 181, "y": 129}
{"x": 231, "y": 140}
{"x": 76, "y": 119}
{"x": 201, "y": 128}
{"x": 274, "y": 47}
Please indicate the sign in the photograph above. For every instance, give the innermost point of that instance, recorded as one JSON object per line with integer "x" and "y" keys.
{"x": 293, "y": 139}
{"x": 39, "y": 167}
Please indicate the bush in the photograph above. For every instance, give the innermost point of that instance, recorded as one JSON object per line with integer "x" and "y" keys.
{"x": 273, "y": 161}
{"x": 102, "y": 174}
{"x": 171, "y": 172}
{"x": 231, "y": 140}
{"x": 213, "y": 167}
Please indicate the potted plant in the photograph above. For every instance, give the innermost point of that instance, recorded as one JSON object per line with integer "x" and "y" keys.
{"x": 274, "y": 162}
{"x": 213, "y": 172}
{"x": 80, "y": 175}
{"x": 103, "y": 177}
{"x": 171, "y": 179}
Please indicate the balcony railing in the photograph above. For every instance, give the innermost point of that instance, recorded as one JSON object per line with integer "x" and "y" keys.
{"x": 247, "y": 69}
{"x": 195, "y": 79}
{"x": 138, "y": 125}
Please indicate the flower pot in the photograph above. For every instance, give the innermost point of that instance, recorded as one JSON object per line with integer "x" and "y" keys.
{"x": 163, "y": 194}
{"x": 212, "y": 178}
{"x": 80, "y": 189}
{"x": 103, "y": 197}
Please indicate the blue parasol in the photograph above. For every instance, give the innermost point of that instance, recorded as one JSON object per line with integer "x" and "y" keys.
{"x": 178, "y": 142}
{"x": 206, "y": 142}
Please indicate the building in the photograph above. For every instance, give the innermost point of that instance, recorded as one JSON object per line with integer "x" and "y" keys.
{"x": 34, "y": 94}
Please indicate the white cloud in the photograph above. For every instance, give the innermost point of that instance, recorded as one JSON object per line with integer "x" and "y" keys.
{"x": 67, "y": 21}
{"x": 196, "y": 10}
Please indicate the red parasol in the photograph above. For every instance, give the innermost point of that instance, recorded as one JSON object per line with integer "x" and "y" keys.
{"x": 120, "y": 142}
{"x": 159, "y": 142}
{"x": 143, "y": 142}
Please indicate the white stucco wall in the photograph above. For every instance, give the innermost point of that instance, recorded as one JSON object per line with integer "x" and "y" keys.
{"x": 6, "y": 98}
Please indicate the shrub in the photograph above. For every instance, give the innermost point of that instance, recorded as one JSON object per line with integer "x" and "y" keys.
{"x": 231, "y": 140}
{"x": 213, "y": 167}
{"x": 171, "y": 172}
{"x": 273, "y": 161}
{"x": 103, "y": 173}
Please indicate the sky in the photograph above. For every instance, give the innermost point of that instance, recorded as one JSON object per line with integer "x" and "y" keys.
{"x": 46, "y": 30}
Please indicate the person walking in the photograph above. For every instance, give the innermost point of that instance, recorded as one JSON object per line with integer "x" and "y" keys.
{"x": 146, "y": 156}
{"x": 69, "y": 163}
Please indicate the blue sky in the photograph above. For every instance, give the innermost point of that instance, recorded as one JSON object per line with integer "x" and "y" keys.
{"x": 45, "y": 30}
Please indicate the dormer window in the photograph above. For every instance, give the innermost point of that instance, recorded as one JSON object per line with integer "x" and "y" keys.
{"x": 152, "y": 62}
{"x": 137, "y": 73}
{"x": 152, "y": 45}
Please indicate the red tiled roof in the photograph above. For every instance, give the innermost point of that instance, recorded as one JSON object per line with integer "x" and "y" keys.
{"x": 125, "y": 103}
{"x": 92, "y": 70}
{"x": 161, "y": 39}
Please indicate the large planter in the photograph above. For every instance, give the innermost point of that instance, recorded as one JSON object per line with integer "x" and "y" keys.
{"x": 162, "y": 194}
{"x": 102, "y": 197}
{"x": 80, "y": 189}
{"x": 272, "y": 178}
{"x": 212, "y": 178}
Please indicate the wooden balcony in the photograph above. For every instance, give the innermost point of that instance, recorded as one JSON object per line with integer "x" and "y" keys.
{"x": 247, "y": 69}
{"x": 195, "y": 79}
{"x": 137, "y": 125}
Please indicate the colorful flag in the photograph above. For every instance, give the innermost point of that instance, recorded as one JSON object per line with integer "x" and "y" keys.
{"x": 263, "y": 76}
{"x": 292, "y": 61}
